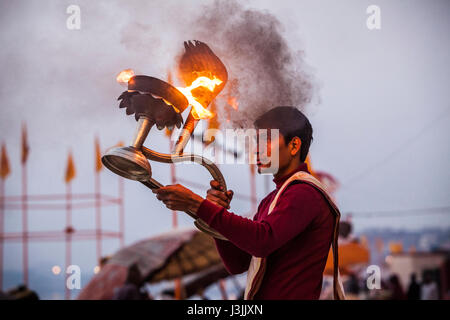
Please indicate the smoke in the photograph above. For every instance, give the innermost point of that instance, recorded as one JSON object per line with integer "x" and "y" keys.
{"x": 264, "y": 71}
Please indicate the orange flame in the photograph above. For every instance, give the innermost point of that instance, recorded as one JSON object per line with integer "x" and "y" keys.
{"x": 233, "y": 103}
{"x": 125, "y": 76}
{"x": 198, "y": 110}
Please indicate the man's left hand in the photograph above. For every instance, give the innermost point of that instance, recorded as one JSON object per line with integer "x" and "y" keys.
{"x": 177, "y": 197}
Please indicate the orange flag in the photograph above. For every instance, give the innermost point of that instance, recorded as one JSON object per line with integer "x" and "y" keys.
{"x": 308, "y": 163}
{"x": 70, "y": 169}
{"x": 395, "y": 246}
{"x": 25, "y": 147}
{"x": 4, "y": 164}
{"x": 98, "y": 156}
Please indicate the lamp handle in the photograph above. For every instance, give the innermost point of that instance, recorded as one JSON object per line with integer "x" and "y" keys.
{"x": 185, "y": 157}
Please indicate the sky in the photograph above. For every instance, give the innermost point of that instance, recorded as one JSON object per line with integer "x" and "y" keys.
{"x": 380, "y": 109}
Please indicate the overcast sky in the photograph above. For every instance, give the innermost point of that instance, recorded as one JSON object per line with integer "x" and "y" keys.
{"x": 380, "y": 113}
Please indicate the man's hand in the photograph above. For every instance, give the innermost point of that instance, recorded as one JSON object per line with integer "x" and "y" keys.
{"x": 177, "y": 197}
{"x": 217, "y": 195}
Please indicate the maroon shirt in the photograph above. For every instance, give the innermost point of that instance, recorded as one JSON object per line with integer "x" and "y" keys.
{"x": 295, "y": 238}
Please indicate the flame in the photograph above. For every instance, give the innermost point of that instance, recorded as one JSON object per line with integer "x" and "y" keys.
{"x": 198, "y": 110}
{"x": 233, "y": 103}
{"x": 125, "y": 76}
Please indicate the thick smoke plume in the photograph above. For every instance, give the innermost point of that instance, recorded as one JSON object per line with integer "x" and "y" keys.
{"x": 263, "y": 69}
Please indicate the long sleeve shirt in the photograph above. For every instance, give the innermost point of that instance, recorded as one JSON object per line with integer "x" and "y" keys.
{"x": 295, "y": 238}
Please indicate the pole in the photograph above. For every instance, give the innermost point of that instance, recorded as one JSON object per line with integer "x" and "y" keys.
{"x": 98, "y": 217}
{"x": 121, "y": 212}
{"x": 223, "y": 290}
{"x": 68, "y": 236}
{"x": 24, "y": 224}
{"x": 253, "y": 188}
{"x": 267, "y": 184}
{"x": 2, "y": 211}
{"x": 173, "y": 181}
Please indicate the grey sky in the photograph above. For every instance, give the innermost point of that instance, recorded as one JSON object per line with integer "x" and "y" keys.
{"x": 382, "y": 107}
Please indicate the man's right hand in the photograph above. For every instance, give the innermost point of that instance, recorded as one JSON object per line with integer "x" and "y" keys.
{"x": 217, "y": 195}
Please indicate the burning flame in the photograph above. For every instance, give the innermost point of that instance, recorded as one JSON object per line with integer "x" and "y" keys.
{"x": 125, "y": 76}
{"x": 198, "y": 110}
{"x": 233, "y": 103}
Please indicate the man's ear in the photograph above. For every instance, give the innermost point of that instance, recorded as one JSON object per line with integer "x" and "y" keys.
{"x": 295, "y": 146}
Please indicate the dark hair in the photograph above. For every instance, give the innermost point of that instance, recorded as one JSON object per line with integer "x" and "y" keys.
{"x": 292, "y": 123}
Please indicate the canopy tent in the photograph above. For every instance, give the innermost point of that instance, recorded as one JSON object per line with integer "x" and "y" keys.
{"x": 200, "y": 281}
{"x": 167, "y": 256}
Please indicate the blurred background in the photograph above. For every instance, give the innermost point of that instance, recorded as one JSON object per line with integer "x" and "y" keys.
{"x": 377, "y": 99}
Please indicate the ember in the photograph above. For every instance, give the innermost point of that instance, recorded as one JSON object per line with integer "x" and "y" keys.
{"x": 124, "y": 76}
{"x": 233, "y": 103}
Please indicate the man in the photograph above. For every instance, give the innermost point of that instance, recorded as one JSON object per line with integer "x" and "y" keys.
{"x": 414, "y": 288}
{"x": 286, "y": 245}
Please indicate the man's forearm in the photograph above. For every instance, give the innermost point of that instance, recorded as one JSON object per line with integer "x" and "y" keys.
{"x": 248, "y": 235}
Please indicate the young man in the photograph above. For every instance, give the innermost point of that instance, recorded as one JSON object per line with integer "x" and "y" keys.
{"x": 286, "y": 245}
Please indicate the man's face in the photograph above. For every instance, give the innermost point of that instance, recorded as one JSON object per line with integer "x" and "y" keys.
{"x": 272, "y": 152}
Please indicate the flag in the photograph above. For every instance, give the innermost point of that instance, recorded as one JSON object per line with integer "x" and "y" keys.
{"x": 310, "y": 169}
{"x": 4, "y": 164}
{"x": 70, "y": 169}
{"x": 395, "y": 247}
{"x": 25, "y": 147}
{"x": 98, "y": 156}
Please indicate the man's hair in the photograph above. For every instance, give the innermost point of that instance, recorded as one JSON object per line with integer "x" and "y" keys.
{"x": 292, "y": 123}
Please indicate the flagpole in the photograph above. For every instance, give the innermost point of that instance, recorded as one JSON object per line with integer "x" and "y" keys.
{"x": 172, "y": 165}
{"x": 4, "y": 172}
{"x": 70, "y": 174}
{"x": 267, "y": 184}
{"x": 121, "y": 211}
{"x": 68, "y": 235}
{"x": 98, "y": 218}
{"x": 2, "y": 211}
{"x": 24, "y": 223}
{"x": 177, "y": 282}
{"x": 253, "y": 188}
{"x": 173, "y": 181}
{"x": 222, "y": 283}
{"x": 98, "y": 212}
{"x": 223, "y": 290}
